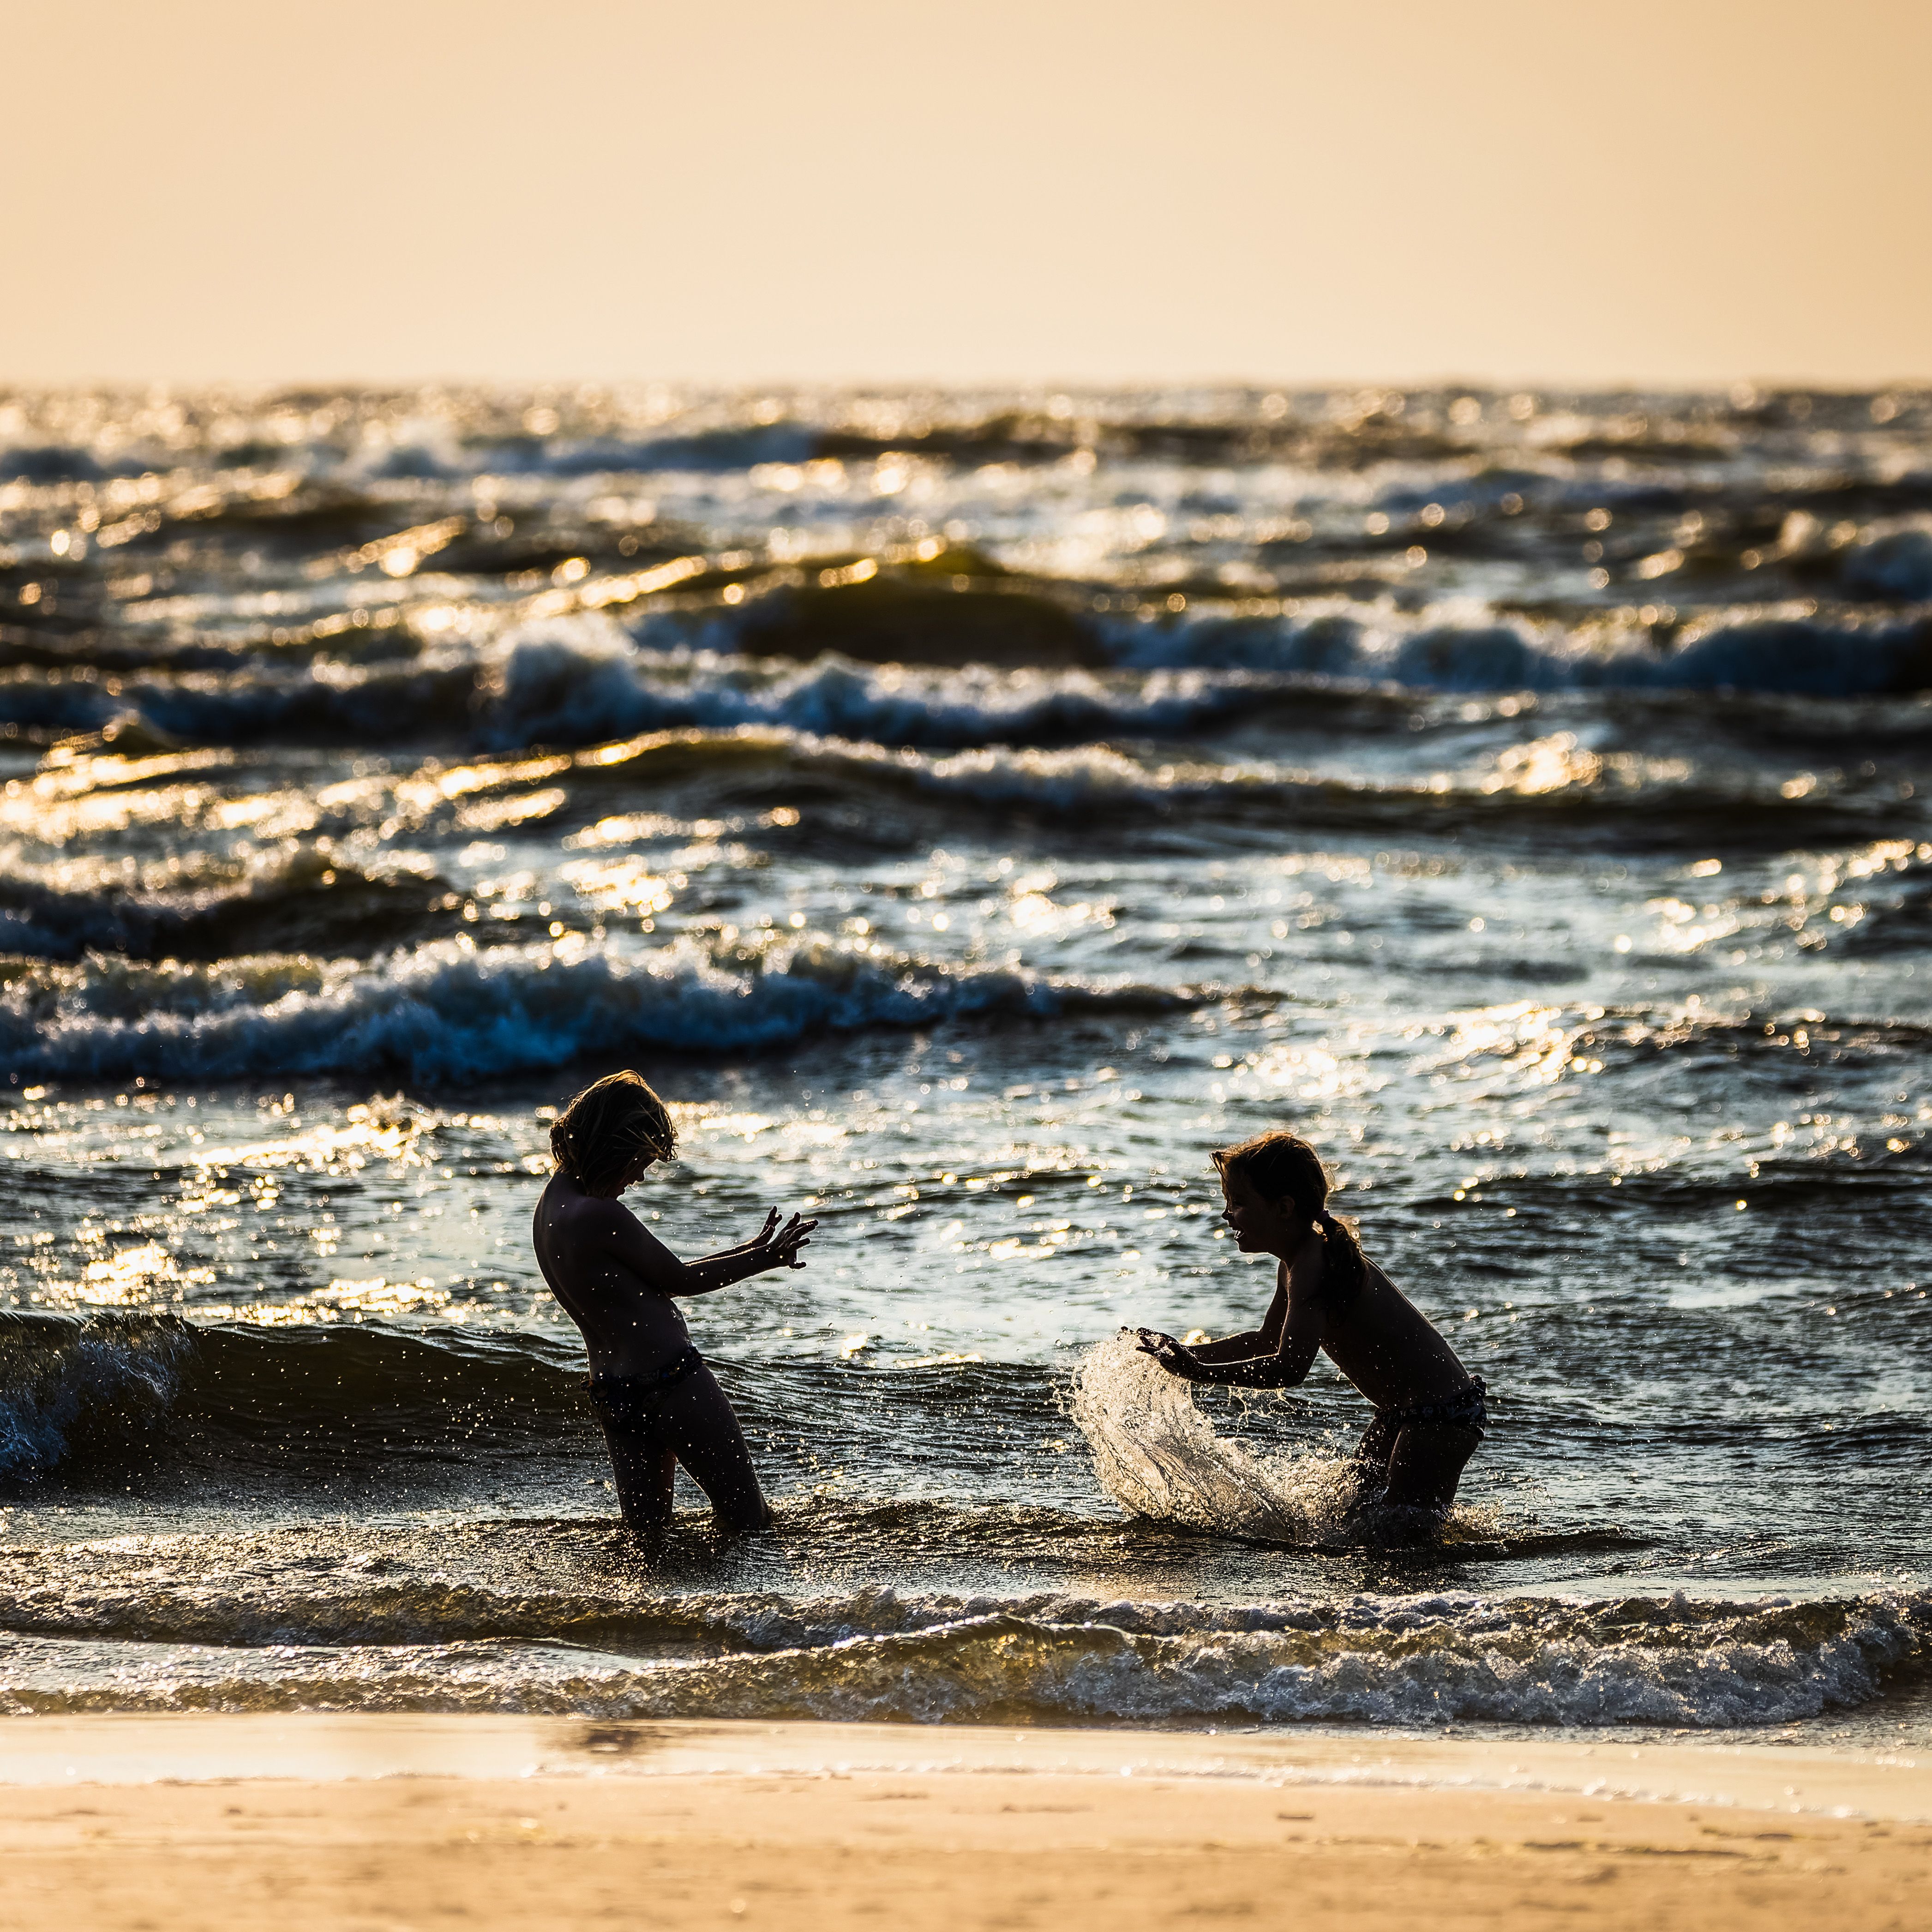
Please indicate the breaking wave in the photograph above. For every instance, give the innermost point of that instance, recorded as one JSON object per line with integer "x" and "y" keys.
{"x": 576, "y": 681}
{"x": 1844, "y": 655}
{"x": 298, "y": 898}
{"x": 83, "y": 1400}
{"x": 1040, "y": 1659}
{"x": 575, "y": 685}
{"x": 449, "y": 1011}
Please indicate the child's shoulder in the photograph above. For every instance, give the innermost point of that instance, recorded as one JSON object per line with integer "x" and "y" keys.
{"x": 567, "y": 1205}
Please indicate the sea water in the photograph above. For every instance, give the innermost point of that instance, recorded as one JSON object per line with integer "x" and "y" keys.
{"x": 970, "y": 811}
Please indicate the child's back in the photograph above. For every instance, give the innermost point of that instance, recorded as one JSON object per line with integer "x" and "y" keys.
{"x": 1380, "y": 1340}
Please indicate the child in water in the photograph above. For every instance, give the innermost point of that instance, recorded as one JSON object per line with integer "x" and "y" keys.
{"x": 1430, "y": 1414}
{"x": 659, "y": 1405}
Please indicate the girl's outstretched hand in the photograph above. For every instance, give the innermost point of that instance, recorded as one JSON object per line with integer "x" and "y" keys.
{"x": 1171, "y": 1354}
{"x": 778, "y": 1247}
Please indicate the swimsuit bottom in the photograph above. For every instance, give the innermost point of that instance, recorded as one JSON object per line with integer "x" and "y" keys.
{"x": 628, "y": 1402}
{"x": 1465, "y": 1409}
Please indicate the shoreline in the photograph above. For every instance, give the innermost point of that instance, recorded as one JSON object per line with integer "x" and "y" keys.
{"x": 330, "y": 1747}
{"x": 177, "y": 1821}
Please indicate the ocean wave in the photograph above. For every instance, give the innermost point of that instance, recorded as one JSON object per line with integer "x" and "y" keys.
{"x": 1452, "y": 1666}
{"x": 581, "y": 678}
{"x": 86, "y": 1400}
{"x": 1044, "y": 1659}
{"x": 1822, "y": 655}
{"x": 322, "y": 702}
{"x": 299, "y": 897}
{"x": 576, "y": 683}
{"x": 475, "y": 1585}
{"x": 579, "y": 681}
{"x": 70, "y": 1390}
{"x": 1463, "y": 646}
{"x": 1889, "y": 559}
{"x": 448, "y": 1010}
{"x": 1553, "y": 784}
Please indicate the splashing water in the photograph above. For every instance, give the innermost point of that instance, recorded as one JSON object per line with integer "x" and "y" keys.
{"x": 1158, "y": 1456}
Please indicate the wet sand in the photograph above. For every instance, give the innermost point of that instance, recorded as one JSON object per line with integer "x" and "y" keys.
{"x": 352, "y": 1822}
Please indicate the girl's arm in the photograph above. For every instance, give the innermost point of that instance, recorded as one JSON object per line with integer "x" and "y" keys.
{"x": 1230, "y": 1347}
{"x": 630, "y": 1242}
{"x": 1265, "y": 1340}
{"x": 1298, "y": 1331}
{"x": 757, "y": 1241}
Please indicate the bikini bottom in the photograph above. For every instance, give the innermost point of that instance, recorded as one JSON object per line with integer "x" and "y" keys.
{"x": 1464, "y": 1410}
{"x": 628, "y": 1404}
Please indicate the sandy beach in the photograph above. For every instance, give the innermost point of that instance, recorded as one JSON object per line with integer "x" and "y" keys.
{"x": 167, "y": 1823}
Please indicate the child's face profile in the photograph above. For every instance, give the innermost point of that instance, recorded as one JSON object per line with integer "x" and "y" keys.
{"x": 1260, "y": 1227}
{"x": 633, "y": 1174}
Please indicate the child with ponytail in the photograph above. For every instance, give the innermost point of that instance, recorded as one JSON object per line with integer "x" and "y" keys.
{"x": 1330, "y": 1297}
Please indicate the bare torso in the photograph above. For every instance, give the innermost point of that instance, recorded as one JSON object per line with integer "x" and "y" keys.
{"x": 1385, "y": 1344}
{"x": 628, "y": 1328}
{"x": 1379, "y": 1339}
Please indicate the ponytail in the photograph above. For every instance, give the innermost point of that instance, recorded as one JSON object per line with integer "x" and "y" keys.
{"x": 1281, "y": 1166}
{"x": 1344, "y": 1266}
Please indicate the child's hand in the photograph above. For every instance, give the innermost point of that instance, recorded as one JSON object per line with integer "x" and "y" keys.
{"x": 778, "y": 1247}
{"x": 1171, "y": 1354}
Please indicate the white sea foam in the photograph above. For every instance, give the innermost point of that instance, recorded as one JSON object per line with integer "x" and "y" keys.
{"x": 448, "y": 1010}
{"x": 1389, "y": 1661}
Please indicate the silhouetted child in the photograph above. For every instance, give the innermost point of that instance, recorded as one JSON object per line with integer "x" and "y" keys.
{"x": 659, "y": 1405}
{"x": 1429, "y": 1413}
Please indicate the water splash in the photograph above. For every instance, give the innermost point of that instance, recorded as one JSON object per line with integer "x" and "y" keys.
{"x": 1158, "y": 1456}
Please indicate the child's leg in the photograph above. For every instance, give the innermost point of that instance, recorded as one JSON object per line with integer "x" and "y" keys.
{"x": 699, "y": 1424}
{"x": 644, "y": 1468}
{"x": 1367, "y": 1473}
{"x": 1426, "y": 1464}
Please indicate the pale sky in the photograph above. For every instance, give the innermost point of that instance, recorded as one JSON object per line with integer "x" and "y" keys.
{"x": 1673, "y": 191}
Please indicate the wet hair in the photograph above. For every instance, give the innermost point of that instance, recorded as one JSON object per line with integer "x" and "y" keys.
{"x": 1281, "y": 1166}
{"x": 607, "y": 1126}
